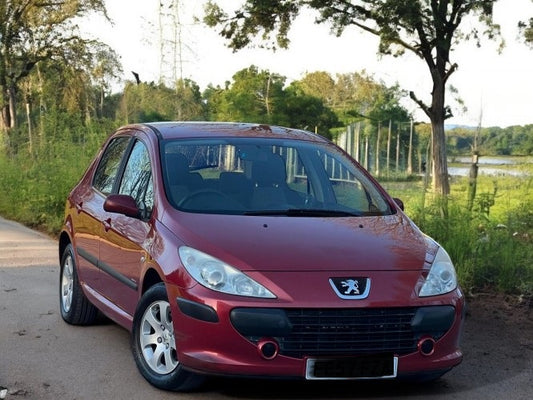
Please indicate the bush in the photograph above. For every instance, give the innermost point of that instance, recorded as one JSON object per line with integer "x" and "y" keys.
{"x": 33, "y": 188}
{"x": 487, "y": 253}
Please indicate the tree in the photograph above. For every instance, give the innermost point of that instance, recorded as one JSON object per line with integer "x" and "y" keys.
{"x": 319, "y": 84}
{"x": 305, "y": 111}
{"x": 427, "y": 28}
{"x": 144, "y": 102}
{"x": 252, "y": 96}
{"x": 32, "y": 32}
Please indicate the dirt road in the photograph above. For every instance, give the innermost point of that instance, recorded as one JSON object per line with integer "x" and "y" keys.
{"x": 43, "y": 358}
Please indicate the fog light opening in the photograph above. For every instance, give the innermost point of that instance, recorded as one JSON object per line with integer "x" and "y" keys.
{"x": 268, "y": 348}
{"x": 426, "y": 346}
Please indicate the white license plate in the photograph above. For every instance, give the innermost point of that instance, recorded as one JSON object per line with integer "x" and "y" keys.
{"x": 361, "y": 367}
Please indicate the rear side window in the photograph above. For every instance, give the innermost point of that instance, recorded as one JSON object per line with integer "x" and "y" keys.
{"x": 107, "y": 170}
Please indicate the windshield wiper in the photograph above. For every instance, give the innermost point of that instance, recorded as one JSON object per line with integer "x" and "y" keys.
{"x": 305, "y": 212}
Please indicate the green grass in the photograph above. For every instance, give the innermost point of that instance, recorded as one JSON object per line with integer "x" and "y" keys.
{"x": 492, "y": 244}
{"x": 33, "y": 190}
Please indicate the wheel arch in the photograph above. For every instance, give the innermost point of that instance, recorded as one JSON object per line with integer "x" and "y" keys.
{"x": 64, "y": 241}
{"x": 151, "y": 278}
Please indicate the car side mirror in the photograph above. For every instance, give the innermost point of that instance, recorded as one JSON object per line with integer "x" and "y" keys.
{"x": 122, "y": 204}
{"x": 399, "y": 203}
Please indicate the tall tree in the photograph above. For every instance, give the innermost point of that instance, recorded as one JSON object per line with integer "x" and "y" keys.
{"x": 252, "y": 96}
{"x": 427, "y": 28}
{"x": 33, "y": 31}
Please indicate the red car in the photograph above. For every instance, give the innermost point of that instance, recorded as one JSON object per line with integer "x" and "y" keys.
{"x": 257, "y": 251}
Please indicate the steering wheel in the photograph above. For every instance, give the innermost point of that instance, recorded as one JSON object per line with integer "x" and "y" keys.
{"x": 209, "y": 199}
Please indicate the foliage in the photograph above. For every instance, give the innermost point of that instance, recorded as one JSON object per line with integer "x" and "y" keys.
{"x": 526, "y": 29}
{"x": 492, "y": 245}
{"x": 486, "y": 254}
{"x": 513, "y": 140}
{"x": 144, "y": 102}
{"x": 33, "y": 192}
{"x": 260, "y": 96}
{"x": 45, "y": 35}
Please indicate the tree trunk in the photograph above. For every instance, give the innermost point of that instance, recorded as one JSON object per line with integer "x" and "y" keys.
{"x": 376, "y": 172}
{"x": 389, "y": 138}
{"x": 366, "y": 153}
{"x": 9, "y": 110}
{"x": 398, "y": 152}
{"x": 410, "y": 151}
{"x": 28, "y": 120}
{"x": 42, "y": 107}
{"x": 441, "y": 185}
{"x": 8, "y": 117}
{"x": 6, "y": 120}
{"x": 472, "y": 181}
{"x": 357, "y": 142}
{"x": 12, "y": 106}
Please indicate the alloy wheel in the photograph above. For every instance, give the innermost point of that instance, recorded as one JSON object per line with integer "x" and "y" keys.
{"x": 157, "y": 338}
{"x": 67, "y": 284}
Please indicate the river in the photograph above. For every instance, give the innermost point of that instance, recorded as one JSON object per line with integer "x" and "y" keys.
{"x": 493, "y": 165}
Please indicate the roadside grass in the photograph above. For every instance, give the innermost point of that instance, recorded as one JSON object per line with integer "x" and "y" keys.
{"x": 33, "y": 190}
{"x": 492, "y": 244}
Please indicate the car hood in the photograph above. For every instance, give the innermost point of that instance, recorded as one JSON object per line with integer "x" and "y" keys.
{"x": 280, "y": 243}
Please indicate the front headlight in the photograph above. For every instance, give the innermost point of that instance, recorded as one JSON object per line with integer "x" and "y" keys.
{"x": 217, "y": 275}
{"x": 441, "y": 278}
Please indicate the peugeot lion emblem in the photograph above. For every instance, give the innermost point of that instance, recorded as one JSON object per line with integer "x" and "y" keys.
{"x": 351, "y": 288}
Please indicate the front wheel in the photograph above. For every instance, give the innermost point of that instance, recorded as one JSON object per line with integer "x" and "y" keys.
{"x": 154, "y": 346}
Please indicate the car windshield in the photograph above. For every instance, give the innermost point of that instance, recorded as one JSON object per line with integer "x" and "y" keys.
{"x": 251, "y": 176}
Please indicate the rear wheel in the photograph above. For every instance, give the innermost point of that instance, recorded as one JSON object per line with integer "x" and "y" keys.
{"x": 74, "y": 306}
{"x": 154, "y": 345}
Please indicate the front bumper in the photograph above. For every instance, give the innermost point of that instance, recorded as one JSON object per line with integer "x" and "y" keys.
{"x": 264, "y": 340}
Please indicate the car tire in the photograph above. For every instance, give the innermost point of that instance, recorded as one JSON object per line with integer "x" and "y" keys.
{"x": 154, "y": 347}
{"x": 74, "y": 306}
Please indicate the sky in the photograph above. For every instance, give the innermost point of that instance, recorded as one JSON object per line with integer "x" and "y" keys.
{"x": 497, "y": 88}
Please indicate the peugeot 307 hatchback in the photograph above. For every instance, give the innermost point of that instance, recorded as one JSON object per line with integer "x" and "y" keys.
{"x": 257, "y": 251}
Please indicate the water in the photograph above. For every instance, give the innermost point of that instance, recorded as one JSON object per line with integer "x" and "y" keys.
{"x": 491, "y": 171}
{"x": 489, "y": 166}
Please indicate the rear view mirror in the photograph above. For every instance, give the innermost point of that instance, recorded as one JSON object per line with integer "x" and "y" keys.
{"x": 399, "y": 203}
{"x": 122, "y": 204}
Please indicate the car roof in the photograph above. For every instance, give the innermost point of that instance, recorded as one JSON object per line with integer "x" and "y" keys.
{"x": 196, "y": 129}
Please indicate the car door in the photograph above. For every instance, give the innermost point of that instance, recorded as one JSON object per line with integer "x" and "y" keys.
{"x": 89, "y": 216}
{"x": 122, "y": 245}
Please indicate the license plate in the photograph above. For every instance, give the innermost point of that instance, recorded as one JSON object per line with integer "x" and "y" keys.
{"x": 383, "y": 366}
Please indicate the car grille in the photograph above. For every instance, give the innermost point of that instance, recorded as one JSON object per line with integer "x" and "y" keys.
{"x": 348, "y": 332}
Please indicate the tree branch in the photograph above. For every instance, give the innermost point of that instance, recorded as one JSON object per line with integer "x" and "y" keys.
{"x": 420, "y": 103}
{"x": 452, "y": 69}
